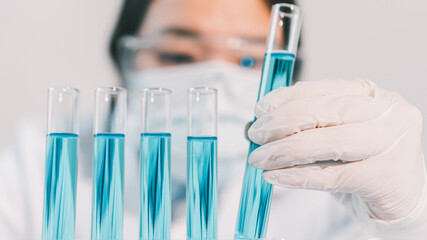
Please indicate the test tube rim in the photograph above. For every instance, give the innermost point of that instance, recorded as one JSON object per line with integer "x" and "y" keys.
{"x": 156, "y": 90}
{"x": 110, "y": 90}
{"x": 294, "y": 8}
{"x": 66, "y": 89}
{"x": 202, "y": 90}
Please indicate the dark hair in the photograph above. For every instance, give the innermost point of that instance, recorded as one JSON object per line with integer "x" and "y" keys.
{"x": 130, "y": 19}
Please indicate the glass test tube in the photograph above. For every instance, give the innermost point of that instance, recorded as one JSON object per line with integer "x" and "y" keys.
{"x": 277, "y": 71}
{"x": 59, "y": 206}
{"x": 155, "y": 215}
{"x": 108, "y": 163}
{"x": 202, "y": 163}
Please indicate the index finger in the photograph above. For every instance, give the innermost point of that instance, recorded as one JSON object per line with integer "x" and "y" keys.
{"x": 312, "y": 89}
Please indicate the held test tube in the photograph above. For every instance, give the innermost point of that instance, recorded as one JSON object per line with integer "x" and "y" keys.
{"x": 155, "y": 200}
{"x": 59, "y": 206}
{"x": 202, "y": 164}
{"x": 277, "y": 71}
{"x": 108, "y": 163}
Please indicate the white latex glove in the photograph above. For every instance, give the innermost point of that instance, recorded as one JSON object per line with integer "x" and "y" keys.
{"x": 373, "y": 137}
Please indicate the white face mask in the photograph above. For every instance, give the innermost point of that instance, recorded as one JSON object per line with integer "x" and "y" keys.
{"x": 237, "y": 92}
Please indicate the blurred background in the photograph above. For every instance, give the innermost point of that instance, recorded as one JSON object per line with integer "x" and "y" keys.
{"x": 50, "y": 43}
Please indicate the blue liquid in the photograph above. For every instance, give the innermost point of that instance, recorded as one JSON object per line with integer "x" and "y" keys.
{"x": 59, "y": 207}
{"x": 256, "y": 194}
{"x": 107, "y": 192}
{"x": 202, "y": 188}
{"x": 155, "y": 186}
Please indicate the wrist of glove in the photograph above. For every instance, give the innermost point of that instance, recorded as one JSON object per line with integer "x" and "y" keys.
{"x": 372, "y": 136}
{"x": 412, "y": 226}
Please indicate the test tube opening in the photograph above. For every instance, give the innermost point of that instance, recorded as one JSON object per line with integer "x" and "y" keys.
{"x": 110, "y": 110}
{"x": 156, "y": 110}
{"x": 202, "y": 112}
{"x": 63, "y": 113}
{"x": 285, "y": 26}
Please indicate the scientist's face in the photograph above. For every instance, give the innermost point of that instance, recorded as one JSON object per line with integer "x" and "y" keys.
{"x": 188, "y": 31}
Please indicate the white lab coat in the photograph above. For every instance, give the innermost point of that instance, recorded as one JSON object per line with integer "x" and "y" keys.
{"x": 295, "y": 214}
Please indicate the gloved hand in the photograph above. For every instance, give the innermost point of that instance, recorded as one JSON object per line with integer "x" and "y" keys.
{"x": 373, "y": 138}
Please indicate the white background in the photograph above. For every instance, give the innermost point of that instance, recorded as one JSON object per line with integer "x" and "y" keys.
{"x": 49, "y": 43}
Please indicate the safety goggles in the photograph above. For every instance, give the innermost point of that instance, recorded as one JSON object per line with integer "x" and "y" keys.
{"x": 177, "y": 47}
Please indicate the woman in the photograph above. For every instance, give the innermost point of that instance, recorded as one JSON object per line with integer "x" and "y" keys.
{"x": 366, "y": 162}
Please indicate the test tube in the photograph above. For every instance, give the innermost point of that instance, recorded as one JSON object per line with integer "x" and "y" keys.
{"x": 277, "y": 71}
{"x": 59, "y": 205}
{"x": 202, "y": 163}
{"x": 108, "y": 163}
{"x": 155, "y": 212}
